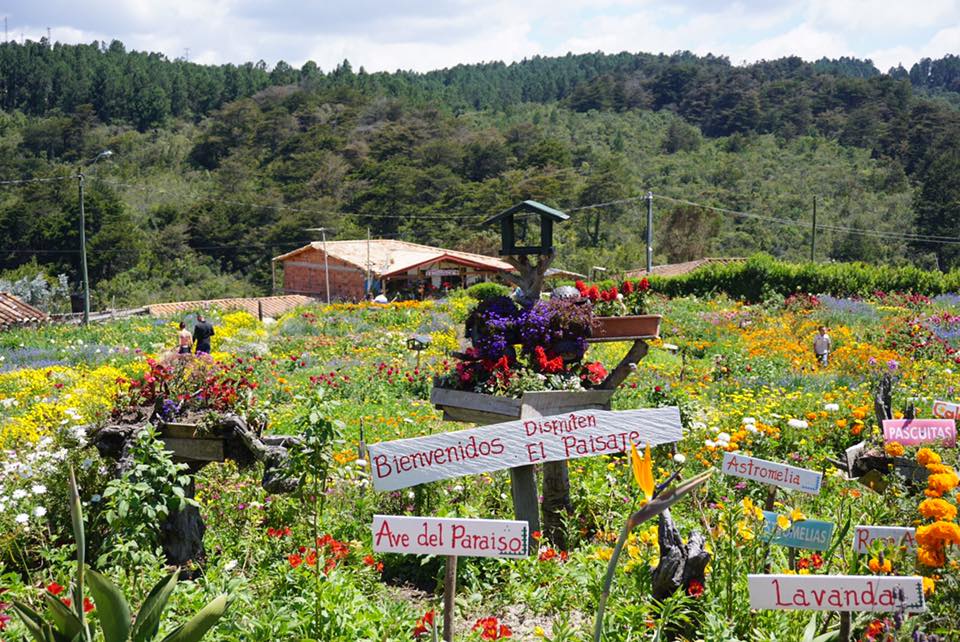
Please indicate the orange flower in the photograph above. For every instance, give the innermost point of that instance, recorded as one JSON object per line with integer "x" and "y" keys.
{"x": 926, "y": 456}
{"x": 932, "y": 557}
{"x": 642, "y": 470}
{"x": 937, "y": 509}
{"x": 937, "y": 469}
{"x": 877, "y": 567}
{"x": 938, "y": 534}
{"x": 941, "y": 483}
{"x": 841, "y": 423}
{"x": 928, "y": 585}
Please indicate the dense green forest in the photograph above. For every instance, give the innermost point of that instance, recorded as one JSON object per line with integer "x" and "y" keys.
{"x": 217, "y": 168}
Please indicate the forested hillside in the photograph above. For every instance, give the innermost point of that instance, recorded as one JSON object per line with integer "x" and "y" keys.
{"x": 217, "y": 168}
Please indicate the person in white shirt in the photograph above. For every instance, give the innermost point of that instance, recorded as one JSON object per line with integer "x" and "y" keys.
{"x": 822, "y": 345}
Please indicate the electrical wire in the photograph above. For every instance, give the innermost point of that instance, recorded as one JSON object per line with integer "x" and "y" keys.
{"x": 24, "y": 181}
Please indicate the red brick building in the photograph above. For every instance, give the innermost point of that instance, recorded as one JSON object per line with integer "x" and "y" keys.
{"x": 393, "y": 267}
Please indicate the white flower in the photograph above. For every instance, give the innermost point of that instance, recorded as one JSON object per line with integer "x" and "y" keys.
{"x": 411, "y": 494}
{"x": 3, "y": 507}
{"x": 680, "y": 458}
{"x": 831, "y": 407}
{"x": 19, "y": 493}
{"x": 797, "y": 423}
{"x": 361, "y": 463}
{"x": 38, "y": 489}
{"x": 724, "y": 437}
{"x": 671, "y": 347}
{"x": 39, "y": 511}
{"x": 22, "y": 518}
{"x": 457, "y": 489}
{"x": 748, "y": 421}
{"x": 709, "y": 443}
{"x": 229, "y": 566}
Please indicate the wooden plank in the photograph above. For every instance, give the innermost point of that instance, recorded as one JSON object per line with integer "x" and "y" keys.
{"x": 946, "y": 410}
{"x": 915, "y": 432}
{"x": 864, "y": 536}
{"x": 582, "y": 433}
{"x": 449, "y": 536}
{"x": 180, "y": 431}
{"x": 195, "y": 449}
{"x": 475, "y": 401}
{"x": 836, "y": 593}
{"x": 773, "y": 473}
{"x": 465, "y": 415}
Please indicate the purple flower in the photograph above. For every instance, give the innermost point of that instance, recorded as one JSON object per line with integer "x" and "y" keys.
{"x": 893, "y": 365}
{"x": 740, "y": 485}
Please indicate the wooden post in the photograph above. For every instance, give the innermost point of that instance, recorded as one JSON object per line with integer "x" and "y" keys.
{"x": 523, "y": 491}
{"x": 449, "y": 595}
{"x": 768, "y": 506}
{"x": 844, "y": 626}
{"x": 260, "y": 310}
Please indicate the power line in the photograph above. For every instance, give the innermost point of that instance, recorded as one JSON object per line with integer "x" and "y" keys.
{"x": 23, "y": 181}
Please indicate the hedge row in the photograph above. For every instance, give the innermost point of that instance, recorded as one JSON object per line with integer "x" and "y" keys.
{"x": 761, "y": 276}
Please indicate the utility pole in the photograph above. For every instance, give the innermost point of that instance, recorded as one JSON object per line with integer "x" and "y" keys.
{"x": 326, "y": 262}
{"x": 83, "y": 238}
{"x": 367, "y": 286}
{"x": 813, "y": 232}
{"x": 649, "y": 233}
{"x": 83, "y": 254}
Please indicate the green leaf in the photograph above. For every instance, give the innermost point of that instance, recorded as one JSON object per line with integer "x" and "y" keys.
{"x": 64, "y": 619}
{"x": 200, "y": 623}
{"x": 148, "y": 619}
{"x": 811, "y": 629}
{"x": 33, "y": 623}
{"x": 112, "y": 608}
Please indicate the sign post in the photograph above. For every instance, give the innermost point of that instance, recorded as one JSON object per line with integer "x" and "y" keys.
{"x": 915, "y": 432}
{"x": 451, "y": 537}
{"x": 837, "y": 593}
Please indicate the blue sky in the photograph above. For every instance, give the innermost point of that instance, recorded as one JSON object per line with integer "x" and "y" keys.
{"x": 424, "y": 34}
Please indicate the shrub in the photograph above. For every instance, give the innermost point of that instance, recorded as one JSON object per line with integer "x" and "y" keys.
{"x": 484, "y": 291}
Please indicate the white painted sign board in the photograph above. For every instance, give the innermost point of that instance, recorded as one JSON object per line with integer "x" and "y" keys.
{"x": 582, "y": 433}
{"x": 449, "y": 536}
{"x": 770, "y": 472}
{"x": 864, "y": 536}
{"x": 836, "y": 593}
{"x": 946, "y": 410}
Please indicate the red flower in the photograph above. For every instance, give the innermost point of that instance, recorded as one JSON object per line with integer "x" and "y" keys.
{"x": 536, "y": 535}
{"x": 87, "y": 605}
{"x": 372, "y": 562}
{"x": 875, "y": 629}
{"x": 4, "y": 618}
{"x": 545, "y": 364}
{"x": 695, "y": 588}
{"x": 54, "y": 589}
{"x": 311, "y": 558}
{"x": 67, "y": 602}
{"x": 491, "y": 629}
{"x": 596, "y": 373}
{"x": 581, "y": 287}
{"x": 547, "y": 554}
{"x": 628, "y": 287}
{"x": 593, "y": 293}
{"x": 295, "y": 560}
{"x": 424, "y": 624}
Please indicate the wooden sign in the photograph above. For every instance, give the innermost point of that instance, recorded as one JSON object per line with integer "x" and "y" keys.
{"x": 864, "y": 536}
{"x": 449, "y": 536}
{"x": 836, "y": 593}
{"x": 772, "y": 473}
{"x": 946, "y": 410}
{"x": 582, "y": 433}
{"x": 810, "y": 534}
{"x": 914, "y": 432}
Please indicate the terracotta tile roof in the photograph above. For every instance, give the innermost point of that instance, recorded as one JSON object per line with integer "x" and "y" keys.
{"x": 388, "y": 256}
{"x": 677, "y": 269}
{"x": 273, "y": 306}
{"x": 14, "y": 312}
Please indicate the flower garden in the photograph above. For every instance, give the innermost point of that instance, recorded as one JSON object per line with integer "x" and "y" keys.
{"x": 301, "y": 565}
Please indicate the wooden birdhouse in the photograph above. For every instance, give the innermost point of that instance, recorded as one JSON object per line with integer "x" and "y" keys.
{"x": 527, "y": 228}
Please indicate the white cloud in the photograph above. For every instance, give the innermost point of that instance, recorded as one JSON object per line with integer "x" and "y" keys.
{"x": 429, "y": 34}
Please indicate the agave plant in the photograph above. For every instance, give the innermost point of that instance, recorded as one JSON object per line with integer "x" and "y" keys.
{"x": 68, "y": 623}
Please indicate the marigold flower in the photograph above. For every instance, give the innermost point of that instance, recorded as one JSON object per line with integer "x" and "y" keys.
{"x": 938, "y": 534}
{"x": 894, "y": 449}
{"x": 877, "y": 567}
{"x": 928, "y": 586}
{"x": 932, "y": 557}
{"x": 926, "y": 456}
{"x": 937, "y": 509}
{"x": 941, "y": 483}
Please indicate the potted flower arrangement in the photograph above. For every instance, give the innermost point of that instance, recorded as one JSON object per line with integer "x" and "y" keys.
{"x": 621, "y": 311}
{"x": 516, "y": 350}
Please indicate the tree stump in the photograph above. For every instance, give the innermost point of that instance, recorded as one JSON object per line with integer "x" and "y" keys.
{"x": 679, "y": 564}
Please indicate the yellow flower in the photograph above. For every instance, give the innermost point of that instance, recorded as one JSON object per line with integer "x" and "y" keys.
{"x": 878, "y": 567}
{"x": 642, "y": 470}
{"x": 744, "y": 531}
{"x": 796, "y": 515}
{"x": 750, "y": 509}
{"x": 783, "y": 522}
{"x": 539, "y": 632}
{"x": 604, "y": 553}
{"x": 894, "y": 449}
{"x": 928, "y": 586}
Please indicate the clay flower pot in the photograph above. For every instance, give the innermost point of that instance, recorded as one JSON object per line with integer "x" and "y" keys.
{"x": 645, "y": 326}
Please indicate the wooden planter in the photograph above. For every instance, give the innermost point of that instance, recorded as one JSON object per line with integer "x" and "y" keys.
{"x": 628, "y": 328}
{"x": 182, "y": 440}
{"x": 473, "y": 407}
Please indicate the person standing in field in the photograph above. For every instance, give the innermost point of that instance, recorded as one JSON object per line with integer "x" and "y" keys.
{"x": 184, "y": 339}
{"x": 202, "y": 332}
{"x": 822, "y": 345}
